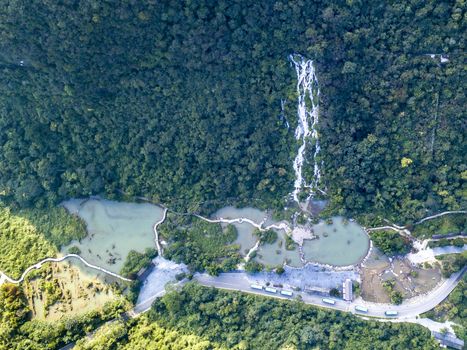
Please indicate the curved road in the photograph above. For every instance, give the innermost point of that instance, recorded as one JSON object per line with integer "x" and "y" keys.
{"x": 409, "y": 309}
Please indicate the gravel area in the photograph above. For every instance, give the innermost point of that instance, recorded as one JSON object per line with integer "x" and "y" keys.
{"x": 163, "y": 273}
{"x": 306, "y": 277}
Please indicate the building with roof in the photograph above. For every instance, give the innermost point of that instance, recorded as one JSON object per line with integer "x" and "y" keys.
{"x": 347, "y": 292}
{"x": 318, "y": 291}
{"x": 448, "y": 340}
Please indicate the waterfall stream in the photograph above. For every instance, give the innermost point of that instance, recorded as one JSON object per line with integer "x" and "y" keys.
{"x": 306, "y": 131}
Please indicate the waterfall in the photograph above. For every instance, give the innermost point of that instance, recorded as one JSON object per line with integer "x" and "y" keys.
{"x": 306, "y": 131}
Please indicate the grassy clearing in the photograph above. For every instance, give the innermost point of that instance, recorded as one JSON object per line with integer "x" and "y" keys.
{"x": 61, "y": 289}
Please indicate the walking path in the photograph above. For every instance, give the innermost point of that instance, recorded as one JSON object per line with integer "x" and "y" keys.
{"x": 156, "y": 234}
{"x": 6, "y": 278}
{"x": 441, "y": 214}
{"x": 280, "y": 226}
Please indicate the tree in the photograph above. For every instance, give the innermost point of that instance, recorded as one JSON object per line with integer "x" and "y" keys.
{"x": 252, "y": 266}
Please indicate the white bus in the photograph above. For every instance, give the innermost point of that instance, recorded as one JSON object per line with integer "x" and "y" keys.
{"x": 361, "y": 309}
{"x": 287, "y": 293}
{"x": 270, "y": 290}
{"x": 391, "y": 313}
{"x": 256, "y": 286}
{"x": 329, "y": 301}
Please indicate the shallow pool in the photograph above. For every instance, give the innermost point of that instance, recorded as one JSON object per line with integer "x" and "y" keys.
{"x": 245, "y": 237}
{"x": 114, "y": 228}
{"x": 339, "y": 244}
{"x": 275, "y": 254}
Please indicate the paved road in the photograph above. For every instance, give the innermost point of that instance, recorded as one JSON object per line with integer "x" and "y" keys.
{"x": 409, "y": 309}
{"x": 240, "y": 282}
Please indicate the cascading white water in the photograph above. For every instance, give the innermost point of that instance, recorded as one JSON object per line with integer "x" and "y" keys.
{"x": 308, "y": 108}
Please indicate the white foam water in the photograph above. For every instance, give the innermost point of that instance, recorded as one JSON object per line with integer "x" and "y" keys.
{"x": 308, "y": 117}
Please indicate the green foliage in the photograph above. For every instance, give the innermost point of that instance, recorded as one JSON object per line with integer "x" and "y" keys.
{"x": 74, "y": 250}
{"x": 51, "y": 291}
{"x": 201, "y": 245}
{"x": 242, "y": 321}
{"x": 395, "y": 295}
{"x": 135, "y": 261}
{"x": 56, "y": 224}
{"x": 13, "y": 312}
{"x": 106, "y": 337}
{"x": 334, "y": 292}
{"x": 279, "y": 270}
{"x": 453, "y": 308}
{"x": 290, "y": 243}
{"x": 266, "y": 237}
{"x": 447, "y": 224}
{"x": 253, "y": 266}
{"x": 30, "y": 235}
{"x": 456, "y": 242}
{"x": 16, "y": 333}
{"x": 390, "y": 242}
{"x": 356, "y": 289}
{"x": 132, "y": 292}
{"x": 89, "y": 123}
{"x": 143, "y": 335}
{"x": 21, "y": 244}
{"x": 451, "y": 263}
{"x": 105, "y": 105}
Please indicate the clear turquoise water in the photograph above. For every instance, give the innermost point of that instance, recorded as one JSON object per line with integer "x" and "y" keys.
{"x": 275, "y": 254}
{"x": 344, "y": 244}
{"x": 114, "y": 228}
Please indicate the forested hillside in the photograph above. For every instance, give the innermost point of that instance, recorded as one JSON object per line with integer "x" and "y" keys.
{"x": 180, "y": 101}
{"x": 205, "y": 318}
{"x": 240, "y": 321}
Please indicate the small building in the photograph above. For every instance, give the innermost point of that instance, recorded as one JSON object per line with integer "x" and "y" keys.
{"x": 448, "y": 340}
{"x": 318, "y": 291}
{"x": 347, "y": 292}
{"x": 144, "y": 272}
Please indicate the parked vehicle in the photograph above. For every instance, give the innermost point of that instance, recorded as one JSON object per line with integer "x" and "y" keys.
{"x": 361, "y": 309}
{"x": 256, "y": 286}
{"x": 391, "y": 313}
{"x": 329, "y": 301}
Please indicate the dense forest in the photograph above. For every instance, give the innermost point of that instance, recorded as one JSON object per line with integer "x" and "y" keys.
{"x": 200, "y": 318}
{"x": 241, "y": 321}
{"x": 180, "y": 101}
